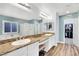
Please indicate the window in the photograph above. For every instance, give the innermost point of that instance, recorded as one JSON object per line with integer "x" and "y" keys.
{"x": 14, "y": 27}
{"x": 9, "y": 27}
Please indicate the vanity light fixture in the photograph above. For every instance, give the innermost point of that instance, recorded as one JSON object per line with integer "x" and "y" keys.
{"x": 24, "y": 6}
{"x": 43, "y": 14}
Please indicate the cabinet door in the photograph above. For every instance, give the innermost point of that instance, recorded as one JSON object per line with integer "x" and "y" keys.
{"x": 33, "y": 49}
{"x": 18, "y": 52}
{"x": 51, "y": 42}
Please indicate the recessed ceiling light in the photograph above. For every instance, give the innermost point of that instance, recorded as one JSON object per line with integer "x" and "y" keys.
{"x": 67, "y": 11}
{"x": 67, "y": 8}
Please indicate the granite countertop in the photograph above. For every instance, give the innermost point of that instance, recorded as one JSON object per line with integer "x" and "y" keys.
{"x": 8, "y": 47}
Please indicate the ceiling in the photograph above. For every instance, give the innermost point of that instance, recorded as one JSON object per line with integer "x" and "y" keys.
{"x": 60, "y": 8}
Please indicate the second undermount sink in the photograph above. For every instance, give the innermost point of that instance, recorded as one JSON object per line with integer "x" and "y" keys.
{"x": 47, "y": 34}
{"x": 21, "y": 42}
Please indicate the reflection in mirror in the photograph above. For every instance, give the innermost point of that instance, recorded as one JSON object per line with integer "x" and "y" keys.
{"x": 50, "y": 26}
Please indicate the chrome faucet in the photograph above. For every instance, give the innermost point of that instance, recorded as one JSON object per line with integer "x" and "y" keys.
{"x": 20, "y": 37}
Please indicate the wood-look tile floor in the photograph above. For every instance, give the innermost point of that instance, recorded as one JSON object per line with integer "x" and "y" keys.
{"x": 64, "y": 50}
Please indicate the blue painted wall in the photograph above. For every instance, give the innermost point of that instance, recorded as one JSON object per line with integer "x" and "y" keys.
{"x": 61, "y": 23}
{"x": 61, "y": 30}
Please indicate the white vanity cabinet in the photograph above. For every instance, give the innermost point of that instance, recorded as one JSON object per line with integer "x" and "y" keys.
{"x": 30, "y": 50}
{"x": 33, "y": 49}
{"x": 19, "y": 52}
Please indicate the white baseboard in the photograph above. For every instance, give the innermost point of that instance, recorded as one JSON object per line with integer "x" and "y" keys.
{"x": 76, "y": 45}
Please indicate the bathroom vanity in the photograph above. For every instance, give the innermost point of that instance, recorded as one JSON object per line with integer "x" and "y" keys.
{"x": 29, "y": 49}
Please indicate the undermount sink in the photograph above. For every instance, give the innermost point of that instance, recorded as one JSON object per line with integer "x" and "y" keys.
{"x": 21, "y": 42}
{"x": 47, "y": 34}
